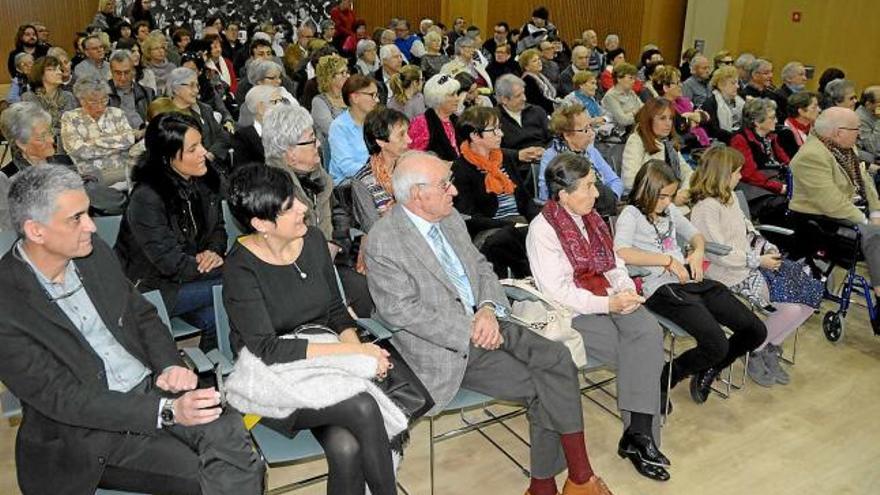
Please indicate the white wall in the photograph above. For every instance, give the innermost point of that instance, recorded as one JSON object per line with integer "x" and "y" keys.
{"x": 706, "y": 20}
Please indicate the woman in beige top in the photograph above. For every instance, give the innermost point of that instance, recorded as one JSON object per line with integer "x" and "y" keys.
{"x": 754, "y": 268}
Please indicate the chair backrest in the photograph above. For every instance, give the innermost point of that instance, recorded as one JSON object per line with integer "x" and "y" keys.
{"x": 7, "y": 239}
{"x": 155, "y": 298}
{"x": 233, "y": 231}
{"x": 743, "y": 203}
{"x": 221, "y": 322}
{"x": 108, "y": 228}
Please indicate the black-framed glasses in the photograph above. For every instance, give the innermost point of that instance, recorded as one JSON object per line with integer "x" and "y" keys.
{"x": 308, "y": 143}
{"x": 856, "y": 129}
{"x": 494, "y": 130}
{"x": 372, "y": 94}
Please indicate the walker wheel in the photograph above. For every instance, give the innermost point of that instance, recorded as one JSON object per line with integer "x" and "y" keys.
{"x": 833, "y": 326}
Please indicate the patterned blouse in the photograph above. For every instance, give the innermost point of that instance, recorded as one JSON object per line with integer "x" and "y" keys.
{"x": 100, "y": 148}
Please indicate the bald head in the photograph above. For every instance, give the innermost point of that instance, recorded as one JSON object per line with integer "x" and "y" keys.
{"x": 839, "y": 125}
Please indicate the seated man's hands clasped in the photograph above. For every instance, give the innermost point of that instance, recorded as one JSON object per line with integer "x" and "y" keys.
{"x": 177, "y": 379}
{"x": 197, "y": 407}
{"x": 485, "y": 332}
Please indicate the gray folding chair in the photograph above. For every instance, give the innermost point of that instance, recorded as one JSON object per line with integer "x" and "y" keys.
{"x": 195, "y": 356}
{"x": 108, "y": 228}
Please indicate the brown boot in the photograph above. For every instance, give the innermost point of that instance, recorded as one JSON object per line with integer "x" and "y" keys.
{"x": 593, "y": 486}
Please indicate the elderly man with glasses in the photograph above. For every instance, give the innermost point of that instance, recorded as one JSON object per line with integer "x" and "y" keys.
{"x": 829, "y": 180}
{"x": 94, "y": 63}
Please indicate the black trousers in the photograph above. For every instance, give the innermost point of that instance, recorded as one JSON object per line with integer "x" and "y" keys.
{"x": 700, "y": 308}
{"x": 355, "y": 443}
{"x": 216, "y": 458}
{"x": 506, "y": 249}
{"x": 357, "y": 294}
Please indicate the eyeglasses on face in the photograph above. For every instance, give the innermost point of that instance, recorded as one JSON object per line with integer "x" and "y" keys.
{"x": 494, "y": 130}
{"x": 444, "y": 185}
{"x": 372, "y": 94}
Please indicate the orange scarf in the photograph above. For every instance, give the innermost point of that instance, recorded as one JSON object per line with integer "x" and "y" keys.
{"x": 496, "y": 180}
{"x": 382, "y": 173}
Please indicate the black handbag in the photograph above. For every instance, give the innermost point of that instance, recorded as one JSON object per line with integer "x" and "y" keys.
{"x": 402, "y": 386}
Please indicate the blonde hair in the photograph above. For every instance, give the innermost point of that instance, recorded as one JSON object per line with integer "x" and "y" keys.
{"x": 526, "y": 57}
{"x": 712, "y": 178}
{"x": 582, "y": 78}
{"x": 154, "y": 40}
{"x": 562, "y": 119}
{"x": 328, "y": 67}
{"x": 403, "y": 80}
{"x": 723, "y": 74}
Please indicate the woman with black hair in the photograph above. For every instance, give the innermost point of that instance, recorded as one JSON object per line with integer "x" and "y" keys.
{"x": 172, "y": 236}
{"x": 279, "y": 278}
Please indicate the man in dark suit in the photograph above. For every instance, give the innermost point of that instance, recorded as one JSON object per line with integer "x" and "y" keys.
{"x": 427, "y": 278}
{"x": 106, "y": 399}
{"x": 580, "y": 61}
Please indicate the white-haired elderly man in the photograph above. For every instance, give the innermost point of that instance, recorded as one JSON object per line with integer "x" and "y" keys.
{"x": 760, "y": 84}
{"x": 392, "y": 60}
{"x": 580, "y": 62}
{"x": 428, "y": 279}
{"x": 794, "y": 77}
{"x": 697, "y": 87}
{"x": 829, "y": 180}
{"x": 247, "y": 142}
{"x": 106, "y": 397}
{"x": 97, "y": 137}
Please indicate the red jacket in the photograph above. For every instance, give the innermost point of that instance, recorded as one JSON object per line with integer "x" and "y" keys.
{"x": 344, "y": 21}
{"x": 752, "y": 150}
{"x": 606, "y": 80}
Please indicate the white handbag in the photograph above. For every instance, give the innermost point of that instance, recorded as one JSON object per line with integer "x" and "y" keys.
{"x": 546, "y": 318}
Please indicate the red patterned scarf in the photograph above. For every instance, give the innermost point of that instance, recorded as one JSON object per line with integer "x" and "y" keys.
{"x": 589, "y": 258}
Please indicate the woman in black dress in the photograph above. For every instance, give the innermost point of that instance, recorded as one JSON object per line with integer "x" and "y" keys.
{"x": 281, "y": 277}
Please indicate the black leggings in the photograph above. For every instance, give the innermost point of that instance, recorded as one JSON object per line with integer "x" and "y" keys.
{"x": 700, "y": 308}
{"x": 355, "y": 443}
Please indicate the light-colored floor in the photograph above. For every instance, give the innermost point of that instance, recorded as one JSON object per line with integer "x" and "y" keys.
{"x": 819, "y": 435}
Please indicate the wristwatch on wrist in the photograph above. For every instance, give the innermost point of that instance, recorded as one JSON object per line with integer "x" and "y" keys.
{"x": 167, "y": 414}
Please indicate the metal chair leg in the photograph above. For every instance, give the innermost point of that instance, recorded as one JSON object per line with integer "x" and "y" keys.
{"x": 431, "y": 451}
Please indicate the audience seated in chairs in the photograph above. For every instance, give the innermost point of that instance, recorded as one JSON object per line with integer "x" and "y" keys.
{"x": 282, "y": 255}
{"x": 539, "y": 90}
{"x": 254, "y": 74}
{"x": 125, "y": 92}
{"x": 348, "y": 152}
{"x": 95, "y": 63}
{"x": 290, "y": 144}
{"x": 697, "y": 87}
{"x": 725, "y": 106}
{"x": 794, "y": 77}
{"x": 803, "y": 109}
{"x": 20, "y": 84}
{"x": 646, "y": 235}
{"x": 434, "y": 59}
{"x": 666, "y": 81}
{"x": 46, "y": 82}
{"x": 120, "y": 407}
{"x": 622, "y": 101}
{"x": 265, "y": 73}
{"x": 654, "y": 139}
{"x": 830, "y": 181}
{"x": 392, "y": 60}
{"x": 211, "y": 91}
{"x": 434, "y": 130}
{"x": 572, "y": 258}
{"x": 428, "y": 278}
{"x": 491, "y": 192}
{"x": 28, "y": 127}
{"x": 760, "y": 80}
{"x": 183, "y": 88}
{"x": 574, "y": 133}
{"x": 247, "y": 142}
{"x": 406, "y": 92}
{"x": 385, "y": 132}
{"x": 502, "y": 63}
{"x": 172, "y": 236}
{"x": 585, "y": 86}
{"x": 869, "y": 125}
{"x": 766, "y": 162}
{"x": 754, "y": 268}
{"x": 144, "y": 76}
{"x": 98, "y": 138}
{"x": 331, "y": 74}
{"x": 526, "y": 133}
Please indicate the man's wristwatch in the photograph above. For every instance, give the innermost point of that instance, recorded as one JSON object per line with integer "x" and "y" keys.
{"x": 167, "y": 414}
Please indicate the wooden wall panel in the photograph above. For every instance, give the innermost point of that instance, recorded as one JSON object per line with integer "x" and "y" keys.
{"x": 379, "y": 12}
{"x": 63, "y": 18}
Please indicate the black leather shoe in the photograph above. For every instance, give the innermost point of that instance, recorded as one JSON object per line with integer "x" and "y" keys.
{"x": 643, "y": 447}
{"x": 656, "y": 473}
{"x": 701, "y": 384}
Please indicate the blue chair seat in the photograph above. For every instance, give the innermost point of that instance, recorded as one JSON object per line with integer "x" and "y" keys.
{"x": 467, "y": 398}
{"x": 279, "y": 450}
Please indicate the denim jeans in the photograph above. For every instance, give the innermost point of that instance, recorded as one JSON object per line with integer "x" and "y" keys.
{"x": 195, "y": 305}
